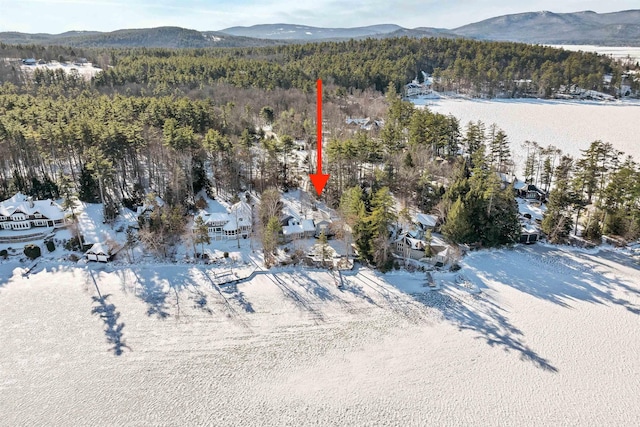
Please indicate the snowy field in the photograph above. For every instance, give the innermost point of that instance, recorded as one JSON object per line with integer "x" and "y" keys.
{"x": 568, "y": 125}
{"x": 87, "y": 71}
{"x": 538, "y": 335}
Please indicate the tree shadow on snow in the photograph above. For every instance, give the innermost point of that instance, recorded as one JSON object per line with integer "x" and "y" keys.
{"x": 561, "y": 276}
{"x": 238, "y": 296}
{"x": 156, "y": 288}
{"x": 112, "y": 329}
{"x": 109, "y": 315}
{"x": 290, "y": 290}
{"x": 485, "y": 319}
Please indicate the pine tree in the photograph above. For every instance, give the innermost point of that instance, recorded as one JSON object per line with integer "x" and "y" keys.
{"x": 457, "y": 227}
{"x": 201, "y": 234}
{"x": 557, "y": 221}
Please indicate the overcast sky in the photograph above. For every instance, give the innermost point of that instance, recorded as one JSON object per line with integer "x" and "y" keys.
{"x": 55, "y": 16}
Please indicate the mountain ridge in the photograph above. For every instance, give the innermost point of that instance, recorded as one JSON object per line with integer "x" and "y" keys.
{"x": 620, "y": 28}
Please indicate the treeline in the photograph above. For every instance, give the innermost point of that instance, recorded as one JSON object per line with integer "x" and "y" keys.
{"x": 475, "y": 67}
{"x": 600, "y": 191}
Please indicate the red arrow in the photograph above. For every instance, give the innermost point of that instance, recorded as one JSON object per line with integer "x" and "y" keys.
{"x": 319, "y": 179}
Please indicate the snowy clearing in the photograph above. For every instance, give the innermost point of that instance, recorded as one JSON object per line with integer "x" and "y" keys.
{"x": 537, "y": 335}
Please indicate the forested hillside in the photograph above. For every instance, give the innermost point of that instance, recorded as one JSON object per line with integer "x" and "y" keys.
{"x": 463, "y": 65}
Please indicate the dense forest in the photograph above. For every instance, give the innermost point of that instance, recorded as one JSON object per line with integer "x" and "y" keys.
{"x": 179, "y": 121}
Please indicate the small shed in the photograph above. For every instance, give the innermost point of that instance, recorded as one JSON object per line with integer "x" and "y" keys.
{"x": 98, "y": 252}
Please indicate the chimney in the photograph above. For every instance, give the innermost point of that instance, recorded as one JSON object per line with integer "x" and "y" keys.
{"x": 30, "y": 201}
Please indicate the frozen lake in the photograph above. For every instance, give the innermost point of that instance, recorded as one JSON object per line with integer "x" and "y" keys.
{"x": 568, "y": 125}
{"x": 537, "y": 335}
{"x": 616, "y": 52}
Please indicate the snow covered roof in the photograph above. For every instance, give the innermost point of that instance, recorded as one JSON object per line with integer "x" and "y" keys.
{"x": 289, "y": 230}
{"x": 519, "y": 185}
{"x": 415, "y": 243}
{"x": 21, "y": 203}
{"x": 213, "y": 218}
{"x": 427, "y": 220}
{"x": 528, "y": 228}
{"x": 242, "y": 209}
{"x": 98, "y": 249}
{"x": 308, "y": 225}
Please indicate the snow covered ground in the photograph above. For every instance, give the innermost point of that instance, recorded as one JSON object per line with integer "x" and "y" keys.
{"x": 568, "y": 125}
{"x": 87, "y": 70}
{"x": 536, "y": 335}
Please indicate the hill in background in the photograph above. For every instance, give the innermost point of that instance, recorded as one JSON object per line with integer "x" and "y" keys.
{"x": 581, "y": 28}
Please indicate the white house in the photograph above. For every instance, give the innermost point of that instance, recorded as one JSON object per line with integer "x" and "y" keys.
{"x": 298, "y": 229}
{"x": 236, "y": 222}
{"x": 416, "y": 88}
{"x": 23, "y": 213}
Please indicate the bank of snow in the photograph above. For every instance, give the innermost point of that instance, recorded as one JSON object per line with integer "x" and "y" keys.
{"x": 538, "y": 335}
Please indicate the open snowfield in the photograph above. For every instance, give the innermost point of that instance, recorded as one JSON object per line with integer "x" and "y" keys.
{"x": 538, "y": 335}
{"x": 568, "y": 125}
{"x": 87, "y": 71}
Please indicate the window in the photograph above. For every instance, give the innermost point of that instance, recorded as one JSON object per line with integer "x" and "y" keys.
{"x": 38, "y": 215}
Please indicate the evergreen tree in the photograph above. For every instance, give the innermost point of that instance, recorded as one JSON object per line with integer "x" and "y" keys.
{"x": 201, "y": 234}
{"x": 88, "y": 187}
{"x": 457, "y": 227}
{"x": 557, "y": 220}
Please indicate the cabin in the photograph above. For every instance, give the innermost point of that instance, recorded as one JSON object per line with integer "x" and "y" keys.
{"x": 29, "y": 61}
{"x": 99, "y": 253}
{"x": 529, "y": 191}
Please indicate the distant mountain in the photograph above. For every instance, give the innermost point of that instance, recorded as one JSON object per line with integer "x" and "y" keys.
{"x": 613, "y": 29}
{"x": 304, "y": 32}
{"x": 617, "y": 28}
{"x": 167, "y": 37}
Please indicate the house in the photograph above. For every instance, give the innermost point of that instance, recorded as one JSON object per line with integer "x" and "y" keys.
{"x": 408, "y": 247}
{"x": 29, "y": 61}
{"x": 236, "y": 222}
{"x": 98, "y": 252}
{"x": 298, "y": 229}
{"x": 415, "y": 88}
{"x": 365, "y": 123}
{"x": 324, "y": 226}
{"x": 21, "y": 212}
{"x": 529, "y": 191}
